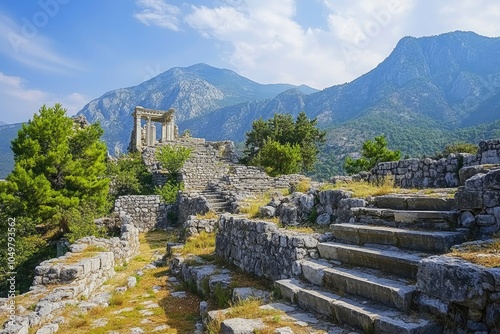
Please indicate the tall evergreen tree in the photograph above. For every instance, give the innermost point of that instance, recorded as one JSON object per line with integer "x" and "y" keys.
{"x": 58, "y": 166}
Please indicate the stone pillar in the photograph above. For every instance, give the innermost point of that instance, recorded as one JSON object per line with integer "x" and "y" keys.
{"x": 148, "y": 132}
{"x": 138, "y": 128}
{"x": 163, "y": 131}
{"x": 152, "y": 134}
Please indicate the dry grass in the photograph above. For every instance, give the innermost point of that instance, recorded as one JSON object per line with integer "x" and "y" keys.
{"x": 251, "y": 206}
{"x": 487, "y": 256}
{"x": 251, "y": 309}
{"x": 200, "y": 245}
{"x": 366, "y": 189}
{"x": 302, "y": 186}
{"x": 208, "y": 215}
{"x": 179, "y": 316}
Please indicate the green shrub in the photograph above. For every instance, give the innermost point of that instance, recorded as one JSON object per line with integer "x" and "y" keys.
{"x": 169, "y": 190}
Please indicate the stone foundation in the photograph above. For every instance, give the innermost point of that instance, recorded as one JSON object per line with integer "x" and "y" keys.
{"x": 263, "y": 249}
{"x": 63, "y": 280}
{"x": 147, "y": 212}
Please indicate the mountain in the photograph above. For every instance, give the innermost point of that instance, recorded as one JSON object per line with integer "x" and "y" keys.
{"x": 3, "y": 123}
{"x": 428, "y": 92}
{"x": 193, "y": 91}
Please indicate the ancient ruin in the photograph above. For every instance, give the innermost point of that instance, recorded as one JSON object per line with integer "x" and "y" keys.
{"x": 144, "y": 136}
{"x": 379, "y": 264}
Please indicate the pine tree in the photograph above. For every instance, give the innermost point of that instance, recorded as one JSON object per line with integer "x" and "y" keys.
{"x": 373, "y": 152}
{"x": 58, "y": 166}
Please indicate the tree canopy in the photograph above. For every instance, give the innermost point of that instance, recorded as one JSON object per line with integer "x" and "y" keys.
{"x": 372, "y": 152}
{"x": 282, "y": 145}
{"x": 58, "y": 166}
{"x": 57, "y": 186}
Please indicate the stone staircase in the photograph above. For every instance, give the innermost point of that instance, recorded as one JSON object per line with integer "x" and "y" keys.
{"x": 216, "y": 201}
{"x": 366, "y": 278}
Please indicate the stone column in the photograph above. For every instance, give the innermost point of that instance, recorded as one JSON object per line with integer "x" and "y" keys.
{"x": 152, "y": 134}
{"x": 163, "y": 131}
{"x": 148, "y": 132}
{"x": 137, "y": 124}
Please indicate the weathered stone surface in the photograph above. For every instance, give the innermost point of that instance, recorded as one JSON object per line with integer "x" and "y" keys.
{"x": 469, "y": 200}
{"x": 289, "y": 214}
{"x": 475, "y": 183}
{"x": 467, "y": 172}
{"x": 324, "y": 219}
{"x": 241, "y": 326}
{"x": 147, "y": 212}
{"x": 452, "y": 279}
{"x": 267, "y": 211}
{"x": 467, "y": 219}
{"x": 241, "y": 294}
{"x": 492, "y": 180}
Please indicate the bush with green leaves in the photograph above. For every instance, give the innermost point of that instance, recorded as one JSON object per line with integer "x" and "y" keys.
{"x": 282, "y": 129}
{"x": 459, "y": 147}
{"x": 372, "y": 152}
{"x": 169, "y": 190}
{"x": 129, "y": 176}
{"x": 172, "y": 158}
{"x": 279, "y": 159}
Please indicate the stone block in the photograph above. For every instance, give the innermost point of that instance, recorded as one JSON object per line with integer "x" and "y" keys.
{"x": 485, "y": 220}
{"x": 267, "y": 211}
{"x": 467, "y": 200}
{"x": 71, "y": 273}
{"x": 491, "y": 198}
{"x": 324, "y": 219}
{"x": 241, "y": 326}
{"x": 492, "y": 180}
{"x": 474, "y": 183}
{"x": 452, "y": 279}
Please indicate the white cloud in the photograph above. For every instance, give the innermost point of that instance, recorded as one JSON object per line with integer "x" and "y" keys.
{"x": 21, "y": 102}
{"x": 25, "y": 44}
{"x": 264, "y": 41}
{"x": 158, "y": 13}
{"x": 269, "y": 45}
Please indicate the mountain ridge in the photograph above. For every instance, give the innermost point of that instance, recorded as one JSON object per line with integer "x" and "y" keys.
{"x": 439, "y": 85}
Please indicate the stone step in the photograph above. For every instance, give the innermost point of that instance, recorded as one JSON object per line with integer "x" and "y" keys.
{"x": 426, "y": 241}
{"x": 370, "y": 317}
{"x": 393, "y": 261}
{"x": 420, "y": 203}
{"x": 434, "y": 220}
{"x": 374, "y": 285}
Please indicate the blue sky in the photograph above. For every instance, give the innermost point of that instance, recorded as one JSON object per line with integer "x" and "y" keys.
{"x": 73, "y": 51}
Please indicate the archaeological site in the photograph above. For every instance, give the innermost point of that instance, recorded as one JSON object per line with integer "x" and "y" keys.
{"x": 298, "y": 256}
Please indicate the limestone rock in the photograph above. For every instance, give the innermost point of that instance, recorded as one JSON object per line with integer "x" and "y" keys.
{"x": 241, "y": 326}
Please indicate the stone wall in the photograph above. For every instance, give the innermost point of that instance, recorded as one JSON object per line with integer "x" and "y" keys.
{"x": 64, "y": 280}
{"x": 479, "y": 203}
{"x": 147, "y": 212}
{"x": 208, "y": 161}
{"x": 253, "y": 179}
{"x": 428, "y": 173}
{"x": 263, "y": 249}
{"x": 466, "y": 295}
